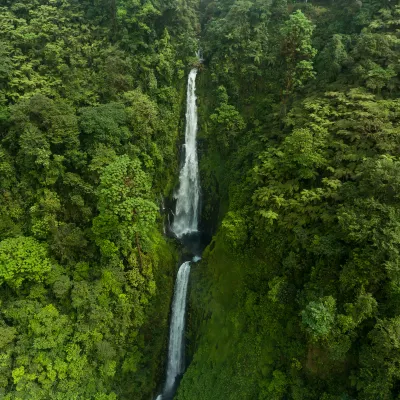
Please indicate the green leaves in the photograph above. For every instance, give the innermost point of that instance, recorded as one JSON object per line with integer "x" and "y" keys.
{"x": 23, "y": 259}
{"x": 307, "y": 201}
{"x": 125, "y": 208}
{"x": 379, "y": 361}
{"x": 235, "y": 229}
{"x": 297, "y": 52}
{"x": 227, "y": 122}
{"x": 90, "y": 110}
{"x": 104, "y": 124}
{"x": 319, "y": 317}
{"x": 375, "y": 52}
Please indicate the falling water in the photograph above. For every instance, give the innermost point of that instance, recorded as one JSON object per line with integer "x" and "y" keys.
{"x": 176, "y": 362}
{"x": 188, "y": 195}
{"x": 185, "y": 222}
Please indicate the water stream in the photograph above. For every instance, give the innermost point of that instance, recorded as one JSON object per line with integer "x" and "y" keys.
{"x": 188, "y": 194}
{"x": 184, "y": 225}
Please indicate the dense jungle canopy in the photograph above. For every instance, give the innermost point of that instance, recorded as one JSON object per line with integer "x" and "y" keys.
{"x": 297, "y": 295}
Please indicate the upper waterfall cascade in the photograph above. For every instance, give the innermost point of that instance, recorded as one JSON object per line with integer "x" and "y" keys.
{"x": 185, "y": 222}
{"x": 188, "y": 194}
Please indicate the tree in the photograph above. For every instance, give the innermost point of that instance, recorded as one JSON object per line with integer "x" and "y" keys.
{"x": 379, "y": 361}
{"x": 319, "y": 317}
{"x": 127, "y": 215}
{"x": 23, "y": 259}
{"x": 227, "y": 121}
{"x": 87, "y": 89}
{"x": 297, "y": 53}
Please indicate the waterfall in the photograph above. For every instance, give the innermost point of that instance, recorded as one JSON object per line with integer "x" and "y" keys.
{"x": 188, "y": 195}
{"x": 185, "y": 222}
{"x": 176, "y": 359}
{"x": 176, "y": 349}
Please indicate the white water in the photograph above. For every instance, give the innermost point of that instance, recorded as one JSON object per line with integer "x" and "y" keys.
{"x": 185, "y": 221}
{"x": 176, "y": 349}
{"x": 188, "y": 195}
{"x": 176, "y": 354}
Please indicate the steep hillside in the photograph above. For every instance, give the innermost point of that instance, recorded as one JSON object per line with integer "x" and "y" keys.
{"x": 91, "y": 99}
{"x": 297, "y": 296}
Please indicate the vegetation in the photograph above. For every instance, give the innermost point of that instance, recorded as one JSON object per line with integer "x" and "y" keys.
{"x": 297, "y": 296}
{"x": 91, "y": 95}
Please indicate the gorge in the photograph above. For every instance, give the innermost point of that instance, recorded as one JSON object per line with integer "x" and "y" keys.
{"x": 297, "y": 293}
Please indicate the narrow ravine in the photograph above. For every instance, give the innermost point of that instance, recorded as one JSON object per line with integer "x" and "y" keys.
{"x": 184, "y": 226}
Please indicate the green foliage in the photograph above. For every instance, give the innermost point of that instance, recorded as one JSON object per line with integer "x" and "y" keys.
{"x": 104, "y": 124}
{"x": 297, "y": 51}
{"x": 226, "y": 121}
{"x": 91, "y": 95}
{"x": 233, "y": 226}
{"x": 379, "y": 361}
{"x": 21, "y": 259}
{"x": 374, "y": 54}
{"x": 297, "y": 295}
{"x": 319, "y": 316}
{"x": 277, "y": 387}
{"x": 127, "y": 215}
